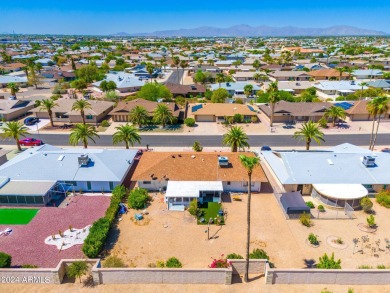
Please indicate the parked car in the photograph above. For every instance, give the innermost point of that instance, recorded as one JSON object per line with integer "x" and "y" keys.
{"x": 30, "y": 121}
{"x": 265, "y": 148}
{"x": 386, "y": 150}
{"x": 29, "y": 141}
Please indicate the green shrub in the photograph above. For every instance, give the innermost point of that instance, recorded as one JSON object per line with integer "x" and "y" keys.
{"x": 327, "y": 262}
{"x": 160, "y": 264}
{"x": 234, "y": 256}
{"x": 254, "y": 119}
{"x": 310, "y": 204}
{"x": 305, "y": 220}
{"x": 313, "y": 239}
{"x": 105, "y": 123}
{"x": 27, "y": 266}
{"x": 193, "y": 207}
{"x": 366, "y": 204}
{"x": 138, "y": 198}
{"x": 96, "y": 238}
{"x": 364, "y": 267}
{"x": 383, "y": 198}
{"x": 113, "y": 262}
{"x": 371, "y": 221}
{"x": 118, "y": 194}
{"x": 197, "y": 146}
{"x": 323, "y": 123}
{"x": 189, "y": 122}
{"x": 5, "y": 260}
{"x": 173, "y": 262}
{"x": 321, "y": 208}
{"x": 381, "y": 267}
{"x": 238, "y": 118}
{"x": 258, "y": 254}
{"x": 77, "y": 269}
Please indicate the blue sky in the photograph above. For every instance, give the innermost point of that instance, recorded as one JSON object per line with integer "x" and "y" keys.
{"x": 105, "y": 17}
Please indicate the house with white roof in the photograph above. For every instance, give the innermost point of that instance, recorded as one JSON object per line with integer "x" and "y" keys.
{"x": 235, "y": 88}
{"x": 125, "y": 82}
{"x": 334, "y": 177}
{"x": 367, "y": 74}
{"x": 338, "y": 88}
{"x": 41, "y": 174}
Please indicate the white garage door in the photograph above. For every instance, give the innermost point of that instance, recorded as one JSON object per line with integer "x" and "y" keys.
{"x": 205, "y": 118}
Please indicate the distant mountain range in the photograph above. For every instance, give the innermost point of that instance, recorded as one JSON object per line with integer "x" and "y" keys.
{"x": 259, "y": 31}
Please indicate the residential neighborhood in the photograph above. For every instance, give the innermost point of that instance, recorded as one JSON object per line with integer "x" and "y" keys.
{"x": 141, "y": 154}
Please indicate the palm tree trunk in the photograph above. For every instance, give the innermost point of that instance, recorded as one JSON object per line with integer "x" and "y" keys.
{"x": 83, "y": 117}
{"x": 248, "y": 231}
{"x": 127, "y": 144}
{"x": 372, "y": 132}
{"x": 308, "y": 141}
{"x": 334, "y": 122}
{"x": 18, "y": 145}
{"x": 376, "y": 133}
{"x": 85, "y": 143}
{"x": 51, "y": 119}
{"x": 272, "y": 114}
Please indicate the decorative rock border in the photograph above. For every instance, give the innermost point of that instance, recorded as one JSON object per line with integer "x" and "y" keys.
{"x": 363, "y": 227}
{"x": 331, "y": 241}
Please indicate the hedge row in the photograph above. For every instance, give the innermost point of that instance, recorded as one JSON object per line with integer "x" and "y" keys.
{"x": 98, "y": 233}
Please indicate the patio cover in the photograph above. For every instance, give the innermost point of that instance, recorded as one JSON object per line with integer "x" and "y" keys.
{"x": 293, "y": 203}
{"x": 191, "y": 188}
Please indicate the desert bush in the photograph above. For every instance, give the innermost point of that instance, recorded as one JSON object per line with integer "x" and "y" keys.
{"x": 381, "y": 267}
{"x": 189, "y": 122}
{"x": 383, "y": 198}
{"x": 371, "y": 221}
{"x": 238, "y": 118}
{"x": 220, "y": 263}
{"x": 77, "y": 269}
{"x": 364, "y": 267}
{"x": 105, "y": 123}
{"x": 310, "y": 204}
{"x": 193, "y": 207}
{"x": 305, "y": 220}
{"x": 321, "y": 208}
{"x": 197, "y": 147}
{"x": 234, "y": 256}
{"x": 254, "y": 119}
{"x": 327, "y": 262}
{"x": 138, "y": 198}
{"x": 5, "y": 260}
{"x": 160, "y": 264}
{"x": 113, "y": 262}
{"x": 118, "y": 194}
{"x": 366, "y": 204}
{"x": 28, "y": 266}
{"x": 173, "y": 262}
{"x": 313, "y": 239}
{"x": 258, "y": 253}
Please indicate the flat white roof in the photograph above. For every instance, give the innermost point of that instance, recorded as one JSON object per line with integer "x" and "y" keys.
{"x": 191, "y": 188}
{"x": 341, "y": 191}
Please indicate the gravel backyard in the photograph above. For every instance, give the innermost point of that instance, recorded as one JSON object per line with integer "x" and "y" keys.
{"x": 26, "y": 243}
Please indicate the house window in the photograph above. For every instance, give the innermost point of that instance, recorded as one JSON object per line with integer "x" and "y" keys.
{"x": 89, "y": 117}
{"x": 111, "y": 185}
{"x": 89, "y": 185}
{"x": 71, "y": 183}
{"x": 146, "y": 182}
{"x": 228, "y": 183}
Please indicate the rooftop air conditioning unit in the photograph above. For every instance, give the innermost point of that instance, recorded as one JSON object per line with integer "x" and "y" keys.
{"x": 83, "y": 160}
{"x": 223, "y": 161}
{"x": 369, "y": 161}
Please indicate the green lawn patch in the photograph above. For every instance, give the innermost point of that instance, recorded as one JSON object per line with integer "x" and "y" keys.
{"x": 17, "y": 216}
{"x": 210, "y": 210}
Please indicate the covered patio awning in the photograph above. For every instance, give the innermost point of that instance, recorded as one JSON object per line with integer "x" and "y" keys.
{"x": 191, "y": 188}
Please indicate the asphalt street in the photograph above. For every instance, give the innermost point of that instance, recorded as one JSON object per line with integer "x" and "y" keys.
{"x": 178, "y": 140}
{"x": 176, "y": 76}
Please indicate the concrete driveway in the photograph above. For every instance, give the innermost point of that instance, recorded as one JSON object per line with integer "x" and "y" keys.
{"x": 34, "y": 128}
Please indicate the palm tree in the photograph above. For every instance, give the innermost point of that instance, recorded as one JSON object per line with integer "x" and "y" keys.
{"x": 14, "y": 88}
{"x": 335, "y": 113}
{"x": 150, "y": 70}
{"x": 14, "y": 130}
{"x": 273, "y": 98}
{"x": 236, "y": 138}
{"x": 82, "y": 132}
{"x": 162, "y": 114}
{"x": 377, "y": 107}
{"x": 176, "y": 62}
{"x": 340, "y": 70}
{"x": 48, "y": 105}
{"x": 220, "y": 78}
{"x": 127, "y": 134}
{"x": 248, "y": 90}
{"x": 363, "y": 84}
{"x": 249, "y": 164}
{"x": 183, "y": 65}
{"x": 308, "y": 132}
{"x": 81, "y": 106}
{"x": 139, "y": 115}
{"x": 256, "y": 76}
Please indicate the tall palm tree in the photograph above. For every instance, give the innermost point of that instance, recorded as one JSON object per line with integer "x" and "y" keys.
{"x": 176, "y": 62}
{"x": 335, "y": 113}
{"x": 377, "y": 107}
{"x": 308, "y": 132}
{"x": 362, "y": 84}
{"x": 81, "y": 106}
{"x": 248, "y": 90}
{"x": 127, "y": 134}
{"x": 48, "y": 105}
{"x": 139, "y": 115}
{"x": 183, "y": 65}
{"x": 236, "y": 138}
{"x": 14, "y": 130}
{"x": 83, "y": 132}
{"x": 14, "y": 88}
{"x": 162, "y": 114}
{"x": 273, "y": 98}
{"x": 340, "y": 70}
{"x": 249, "y": 164}
{"x": 150, "y": 70}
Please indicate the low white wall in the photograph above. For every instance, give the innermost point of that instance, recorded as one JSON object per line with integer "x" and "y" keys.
{"x": 256, "y": 266}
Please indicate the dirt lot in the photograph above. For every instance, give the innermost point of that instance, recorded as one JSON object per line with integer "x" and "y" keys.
{"x": 164, "y": 234}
